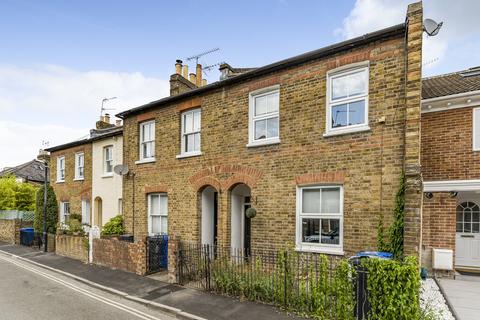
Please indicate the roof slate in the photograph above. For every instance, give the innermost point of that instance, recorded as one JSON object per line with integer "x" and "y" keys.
{"x": 32, "y": 171}
{"x": 451, "y": 83}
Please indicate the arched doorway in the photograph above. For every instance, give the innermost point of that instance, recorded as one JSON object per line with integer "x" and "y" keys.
{"x": 240, "y": 225}
{"x": 209, "y": 216}
{"x": 97, "y": 213}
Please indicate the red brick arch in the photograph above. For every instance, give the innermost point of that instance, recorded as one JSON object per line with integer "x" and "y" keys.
{"x": 238, "y": 178}
{"x": 207, "y": 181}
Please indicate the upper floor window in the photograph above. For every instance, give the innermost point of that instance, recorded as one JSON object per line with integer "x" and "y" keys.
{"x": 157, "y": 213}
{"x": 61, "y": 169}
{"x": 264, "y": 117}
{"x": 79, "y": 166}
{"x": 476, "y": 129}
{"x": 147, "y": 140}
{"x": 108, "y": 159}
{"x": 320, "y": 219}
{"x": 347, "y": 100}
{"x": 191, "y": 125}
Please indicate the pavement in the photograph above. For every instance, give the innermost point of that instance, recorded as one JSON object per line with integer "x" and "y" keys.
{"x": 463, "y": 295}
{"x": 186, "y": 303}
{"x": 31, "y": 292}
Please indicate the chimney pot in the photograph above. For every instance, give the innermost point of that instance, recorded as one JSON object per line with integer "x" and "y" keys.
{"x": 185, "y": 71}
{"x": 204, "y": 82}
{"x": 178, "y": 67}
{"x": 199, "y": 75}
{"x": 118, "y": 122}
{"x": 193, "y": 78}
{"x": 106, "y": 119}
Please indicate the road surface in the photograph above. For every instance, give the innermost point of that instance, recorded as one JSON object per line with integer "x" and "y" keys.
{"x": 28, "y": 292}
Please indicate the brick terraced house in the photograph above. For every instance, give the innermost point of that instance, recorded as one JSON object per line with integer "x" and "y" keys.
{"x": 450, "y": 158}
{"x": 81, "y": 173}
{"x": 315, "y": 143}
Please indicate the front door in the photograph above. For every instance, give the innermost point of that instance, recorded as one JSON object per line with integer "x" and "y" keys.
{"x": 467, "y": 240}
{"x": 247, "y": 234}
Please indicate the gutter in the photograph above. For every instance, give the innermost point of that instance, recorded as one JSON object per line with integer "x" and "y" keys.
{"x": 396, "y": 30}
{"x": 84, "y": 141}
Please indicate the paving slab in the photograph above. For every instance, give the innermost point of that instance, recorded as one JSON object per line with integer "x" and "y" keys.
{"x": 464, "y": 297}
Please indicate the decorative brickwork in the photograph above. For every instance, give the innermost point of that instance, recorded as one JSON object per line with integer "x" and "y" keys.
{"x": 438, "y": 225}
{"x": 71, "y": 247}
{"x": 122, "y": 255}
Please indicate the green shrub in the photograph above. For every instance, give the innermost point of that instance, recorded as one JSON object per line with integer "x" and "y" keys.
{"x": 76, "y": 216}
{"x": 114, "y": 226}
{"x": 74, "y": 226}
{"x": 393, "y": 288}
{"x": 52, "y": 211}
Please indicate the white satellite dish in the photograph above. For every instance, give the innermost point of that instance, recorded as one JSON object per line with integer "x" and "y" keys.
{"x": 121, "y": 169}
{"x": 431, "y": 27}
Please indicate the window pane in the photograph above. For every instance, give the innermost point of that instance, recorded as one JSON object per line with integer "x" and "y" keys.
{"x": 311, "y": 200}
{"x": 272, "y": 102}
{"x": 108, "y": 166}
{"x": 197, "y": 141}
{"x": 311, "y": 230}
{"x": 475, "y": 227}
{"x": 151, "y": 127}
{"x": 188, "y": 122}
{"x": 164, "y": 227}
{"x": 475, "y": 216}
{"x": 155, "y": 204}
{"x": 467, "y": 227}
{"x": 272, "y": 127}
{"x": 190, "y": 143}
{"x": 196, "y": 120}
{"x": 339, "y": 88}
{"x": 156, "y": 224}
{"x": 339, "y": 116}
{"x": 467, "y": 215}
{"x": 145, "y": 132}
{"x": 163, "y": 204}
{"x": 260, "y": 105}
{"x": 356, "y": 112}
{"x": 331, "y": 200}
{"x": 260, "y": 129}
{"x": 459, "y": 216}
{"x": 330, "y": 231}
{"x": 459, "y": 227}
{"x": 357, "y": 84}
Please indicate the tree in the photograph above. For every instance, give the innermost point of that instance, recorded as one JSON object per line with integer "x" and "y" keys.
{"x": 25, "y": 197}
{"x": 52, "y": 211}
{"x": 8, "y": 186}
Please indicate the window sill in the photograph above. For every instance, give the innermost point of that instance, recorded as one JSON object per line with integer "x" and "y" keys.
{"x": 347, "y": 130}
{"x": 325, "y": 250}
{"x": 107, "y": 175}
{"x": 60, "y": 181}
{"x": 263, "y": 143}
{"x": 190, "y": 154}
{"x": 148, "y": 160}
{"x": 78, "y": 179}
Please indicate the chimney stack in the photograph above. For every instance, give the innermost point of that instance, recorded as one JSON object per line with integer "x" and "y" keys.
{"x": 185, "y": 71}
{"x": 178, "y": 67}
{"x": 199, "y": 75}
{"x": 193, "y": 78}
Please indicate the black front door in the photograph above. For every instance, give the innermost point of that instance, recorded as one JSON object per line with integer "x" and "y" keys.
{"x": 247, "y": 234}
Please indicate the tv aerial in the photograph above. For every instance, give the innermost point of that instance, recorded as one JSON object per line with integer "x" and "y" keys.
{"x": 102, "y": 109}
{"x": 198, "y": 56}
{"x": 431, "y": 27}
{"x": 210, "y": 67}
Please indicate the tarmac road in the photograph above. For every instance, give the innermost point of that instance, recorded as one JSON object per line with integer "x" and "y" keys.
{"x": 28, "y": 292}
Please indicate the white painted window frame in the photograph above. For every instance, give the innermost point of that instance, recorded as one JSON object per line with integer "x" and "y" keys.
{"x": 142, "y": 142}
{"x": 61, "y": 169}
{"x": 184, "y": 135}
{"x": 79, "y": 165}
{"x": 475, "y": 115}
{"x": 63, "y": 214}
{"x": 86, "y": 207}
{"x": 341, "y": 72}
{"x": 107, "y": 160}
{"x": 156, "y": 214}
{"x": 252, "y": 142}
{"x": 320, "y": 247}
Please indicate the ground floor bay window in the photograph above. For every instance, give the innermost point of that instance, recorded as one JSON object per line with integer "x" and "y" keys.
{"x": 320, "y": 219}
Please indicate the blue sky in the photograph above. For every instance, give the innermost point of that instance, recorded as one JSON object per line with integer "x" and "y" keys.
{"x": 58, "y": 59}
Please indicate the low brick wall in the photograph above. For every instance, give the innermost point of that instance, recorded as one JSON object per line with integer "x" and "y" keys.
{"x": 10, "y": 229}
{"x": 71, "y": 247}
{"x": 121, "y": 255}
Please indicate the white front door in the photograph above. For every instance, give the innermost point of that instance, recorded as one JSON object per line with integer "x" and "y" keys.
{"x": 467, "y": 240}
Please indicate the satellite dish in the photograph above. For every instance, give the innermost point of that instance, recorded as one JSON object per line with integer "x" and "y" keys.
{"x": 431, "y": 27}
{"x": 121, "y": 169}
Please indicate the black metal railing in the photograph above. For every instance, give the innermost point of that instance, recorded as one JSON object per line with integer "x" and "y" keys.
{"x": 308, "y": 283}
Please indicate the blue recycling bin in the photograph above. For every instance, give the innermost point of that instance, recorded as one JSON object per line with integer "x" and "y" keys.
{"x": 26, "y": 236}
{"x": 164, "y": 252}
{"x": 375, "y": 254}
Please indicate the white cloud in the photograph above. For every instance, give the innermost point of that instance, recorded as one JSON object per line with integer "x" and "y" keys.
{"x": 58, "y": 104}
{"x": 460, "y": 24}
